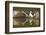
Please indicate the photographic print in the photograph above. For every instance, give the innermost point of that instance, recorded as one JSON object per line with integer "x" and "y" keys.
{"x": 26, "y": 17}
{"x": 23, "y": 17}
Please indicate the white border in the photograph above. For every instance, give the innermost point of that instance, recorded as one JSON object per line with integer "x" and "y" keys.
{"x": 11, "y": 29}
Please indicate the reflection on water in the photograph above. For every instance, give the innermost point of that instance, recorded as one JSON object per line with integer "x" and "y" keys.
{"x": 31, "y": 20}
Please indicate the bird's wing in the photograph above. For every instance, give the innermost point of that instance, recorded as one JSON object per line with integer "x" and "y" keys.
{"x": 30, "y": 15}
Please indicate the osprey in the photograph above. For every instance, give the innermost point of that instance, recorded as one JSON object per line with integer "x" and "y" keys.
{"x": 21, "y": 17}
